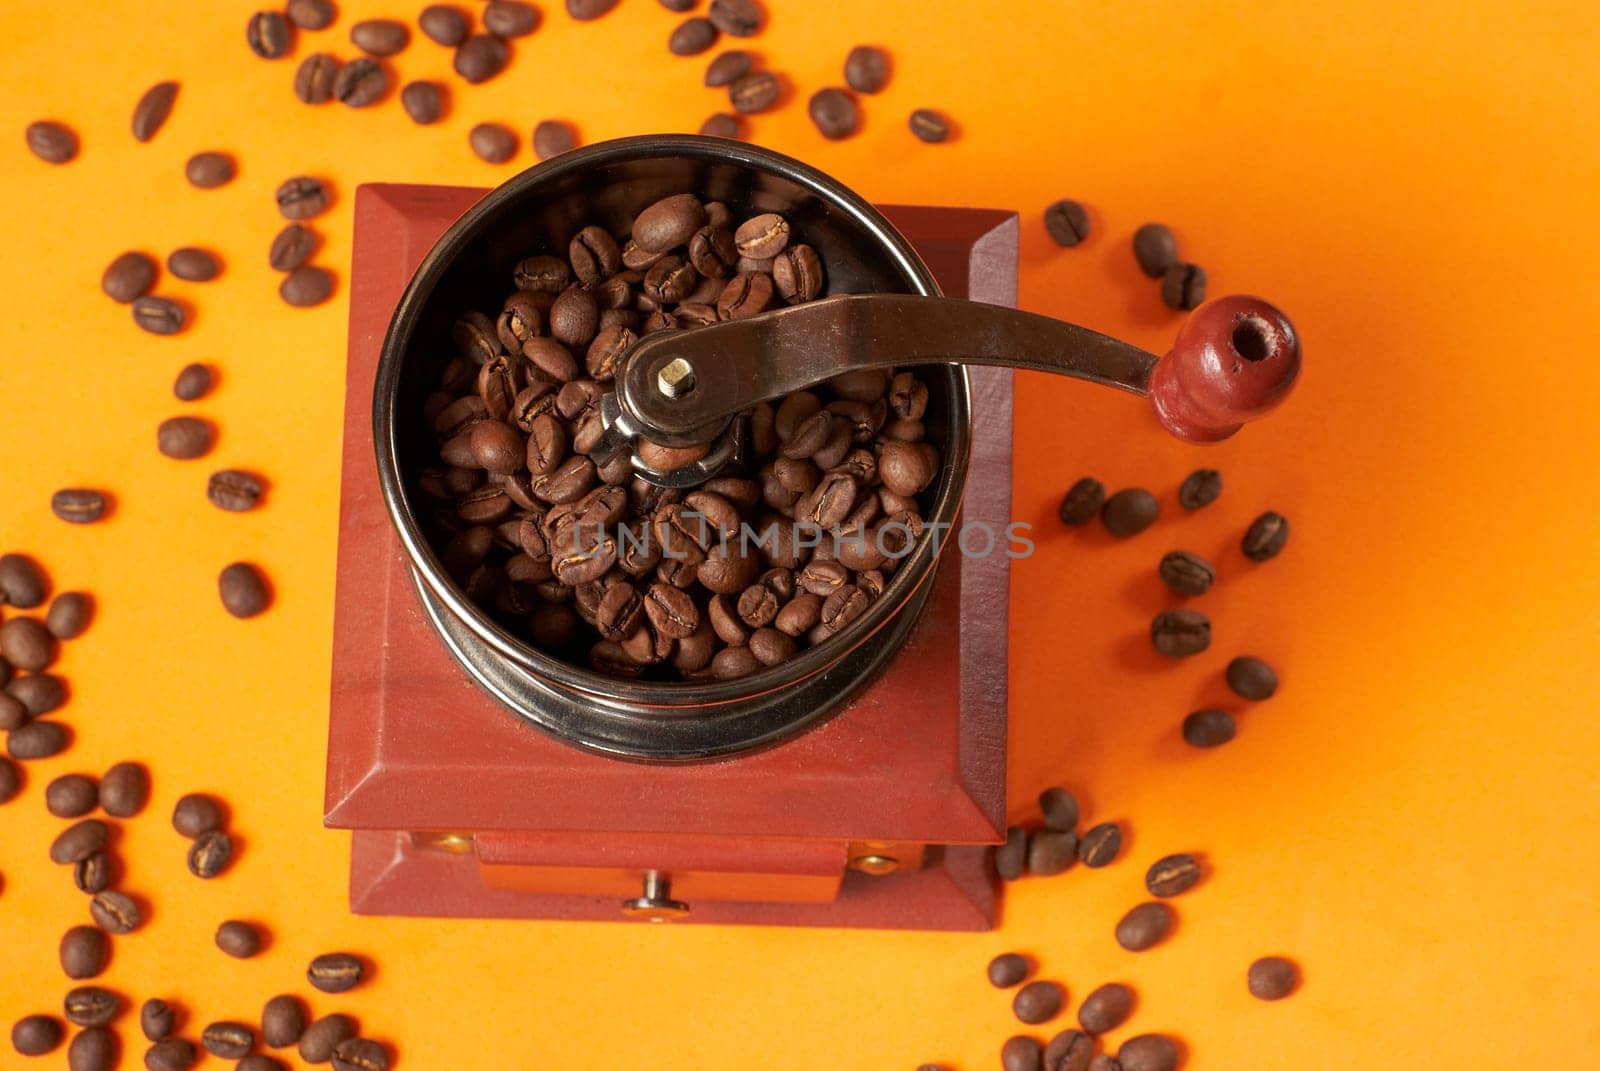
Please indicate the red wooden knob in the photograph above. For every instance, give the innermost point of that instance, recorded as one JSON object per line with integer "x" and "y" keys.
{"x": 1235, "y": 359}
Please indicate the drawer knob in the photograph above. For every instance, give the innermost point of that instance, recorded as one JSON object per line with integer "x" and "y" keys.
{"x": 656, "y": 902}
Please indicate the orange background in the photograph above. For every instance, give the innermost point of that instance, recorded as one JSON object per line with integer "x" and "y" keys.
{"x": 1413, "y": 818}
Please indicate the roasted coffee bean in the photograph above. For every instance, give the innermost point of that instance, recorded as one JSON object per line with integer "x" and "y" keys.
{"x": 1265, "y": 537}
{"x": 772, "y": 647}
{"x": 423, "y": 101}
{"x": 193, "y": 265}
{"x": 692, "y": 37}
{"x": 234, "y": 490}
{"x": 1007, "y": 969}
{"x": 311, "y": 14}
{"x": 906, "y": 468}
{"x": 1021, "y": 1054}
{"x": 171, "y": 1054}
{"x": 1129, "y": 512}
{"x": 92, "y": 874}
{"x": 83, "y": 839}
{"x": 866, "y": 69}
{"x": 268, "y": 35}
{"x": 1272, "y": 978}
{"x": 510, "y": 18}
{"x": 1070, "y": 1050}
{"x": 493, "y": 143}
{"x": 833, "y": 111}
{"x": 158, "y": 315}
{"x": 1100, "y": 845}
{"x": 755, "y": 92}
{"x": 588, "y": 10}
{"x": 360, "y": 83}
{"x": 52, "y": 142}
{"x": 335, "y": 972}
{"x": 291, "y": 248}
{"x": 228, "y": 1040}
{"x": 315, "y": 78}
{"x": 1183, "y": 286}
{"x": 444, "y": 25}
{"x": 1060, "y": 809}
{"x": 1011, "y": 857}
{"x": 195, "y": 814}
{"x": 1208, "y": 728}
{"x": 83, "y": 952}
{"x": 746, "y": 294}
{"x": 552, "y": 138}
{"x": 243, "y": 590}
{"x": 720, "y": 125}
{"x": 762, "y": 236}
{"x": 728, "y": 67}
{"x": 320, "y": 1039}
{"x": 238, "y": 939}
{"x": 306, "y": 286}
{"x": 1144, "y": 926}
{"x": 89, "y": 1005}
{"x": 301, "y": 197}
{"x": 73, "y": 796}
{"x": 1186, "y": 573}
{"x": 737, "y": 18}
{"x": 731, "y": 663}
{"x": 1180, "y": 633}
{"x": 1067, "y": 222}
{"x": 1200, "y": 488}
{"x": 21, "y": 583}
{"x": 283, "y": 1021}
{"x": 128, "y": 277}
{"x": 156, "y": 1019}
{"x": 480, "y": 57}
{"x": 594, "y": 254}
{"x": 1172, "y": 874}
{"x": 208, "y": 170}
{"x": 380, "y": 37}
{"x": 13, "y": 713}
{"x": 1051, "y": 851}
{"x": 115, "y": 912}
{"x": 35, "y": 1035}
{"x": 37, "y": 740}
{"x": 78, "y": 505}
{"x": 27, "y": 644}
{"x": 668, "y": 223}
{"x": 1251, "y": 678}
{"x": 1155, "y": 249}
{"x": 360, "y": 1054}
{"x": 1148, "y": 1052}
{"x": 929, "y": 126}
{"x": 1082, "y": 501}
{"x": 1037, "y": 1002}
{"x": 1106, "y": 1008}
{"x": 10, "y": 780}
{"x": 210, "y": 853}
{"x": 93, "y": 1049}
{"x": 184, "y": 438}
{"x": 797, "y": 274}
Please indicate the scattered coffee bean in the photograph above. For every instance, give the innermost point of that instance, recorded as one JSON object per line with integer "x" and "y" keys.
{"x": 307, "y": 286}
{"x": 268, "y": 35}
{"x": 158, "y": 315}
{"x": 315, "y": 77}
{"x": 10, "y": 780}
{"x": 728, "y": 67}
{"x": 1172, "y": 874}
{"x": 1037, "y": 1002}
{"x": 128, "y": 277}
{"x": 78, "y": 505}
{"x": 13, "y": 712}
{"x": 35, "y": 1035}
{"x": 360, "y": 83}
{"x": 193, "y": 383}
{"x": 38, "y": 740}
{"x": 692, "y": 37}
{"x": 1060, "y": 809}
{"x": 1106, "y": 1008}
{"x": 423, "y": 101}
{"x": 1186, "y": 573}
{"x": 1021, "y": 1054}
{"x": 290, "y": 249}
{"x": 737, "y": 18}
{"x": 94, "y": 1049}
{"x": 510, "y": 18}
{"x": 1251, "y": 678}
{"x": 1050, "y": 852}
{"x": 444, "y": 25}
{"x": 720, "y": 125}
{"x": 27, "y": 644}
{"x": 929, "y": 126}
{"x": 1200, "y": 488}
{"x": 1100, "y": 845}
{"x": 228, "y": 1040}
{"x": 380, "y": 37}
{"x": 156, "y": 1019}
{"x": 1007, "y": 969}
{"x": 1144, "y": 926}
{"x": 171, "y": 1054}
{"x": 1129, "y": 512}
{"x": 360, "y": 1054}
{"x": 1183, "y": 286}
{"x": 238, "y": 939}
{"x": 1155, "y": 249}
{"x": 335, "y": 972}
{"x": 196, "y": 814}
{"x": 83, "y": 839}
{"x": 93, "y": 874}
{"x": 1272, "y": 978}
{"x": 1208, "y": 728}
{"x": 1067, "y": 221}
{"x": 89, "y": 1005}
{"x": 52, "y": 142}
{"x": 1012, "y": 856}
{"x": 1265, "y": 537}
{"x": 115, "y": 912}
{"x": 311, "y": 14}
{"x": 1148, "y": 1052}
{"x": 493, "y": 143}
{"x": 72, "y": 796}
{"x": 21, "y": 583}
{"x": 1180, "y": 633}
{"x": 320, "y": 1039}
{"x": 233, "y": 490}
{"x": 552, "y": 138}
{"x": 208, "y": 170}
{"x": 210, "y": 853}
{"x": 1069, "y": 1050}
{"x": 834, "y": 113}
{"x": 866, "y": 69}
{"x": 301, "y": 197}
{"x": 754, "y": 92}
{"x": 283, "y": 1020}
{"x": 184, "y": 438}
{"x": 480, "y": 57}
{"x": 193, "y": 265}
{"x": 1082, "y": 502}
{"x": 84, "y": 951}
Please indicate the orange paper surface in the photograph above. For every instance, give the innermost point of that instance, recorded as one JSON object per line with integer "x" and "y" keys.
{"x": 1413, "y": 818}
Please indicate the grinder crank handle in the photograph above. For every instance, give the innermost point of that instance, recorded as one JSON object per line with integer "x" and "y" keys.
{"x": 1234, "y": 359}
